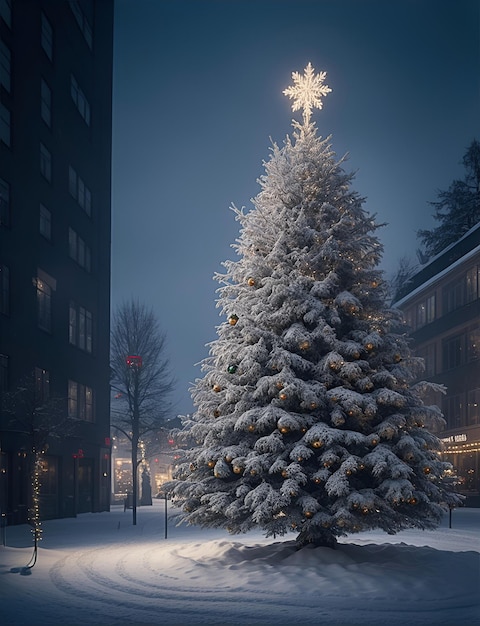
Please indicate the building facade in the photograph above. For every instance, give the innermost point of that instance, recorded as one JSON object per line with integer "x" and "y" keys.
{"x": 55, "y": 221}
{"x": 441, "y": 305}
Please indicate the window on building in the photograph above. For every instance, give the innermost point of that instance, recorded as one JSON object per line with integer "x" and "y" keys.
{"x": 453, "y": 352}
{"x": 3, "y": 374}
{"x": 5, "y": 125}
{"x": 46, "y": 103}
{"x": 80, "y": 100}
{"x": 428, "y": 354}
{"x": 409, "y": 317}
{"x": 80, "y": 401}
{"x": 473, "y": 407}
{"x": 421, "y": 315}
{"x": 79, "y": 190}
{"x": 473, "y": 343}
{"x": 430, "y": 306}
{"x": 6, "y": 12}
{"x": 45, "y": 163}
{"x": 80, "y": 332}
{"x": 4, "y": 290}
{"x": 79, "y": 251}
{"x": 453, "y": 409}
{"x": 47, "y": 37}
{"x": 42, "y": 385}
{"x": 45, "y": 222}
{"x": 472, "y": 284}
{"x": 4, "y": 203}
{"x": 82, "y": 22}
{"x": 5, "y": 66}
{"x": 453, "y": 295}
{"x": 44, "y": 305}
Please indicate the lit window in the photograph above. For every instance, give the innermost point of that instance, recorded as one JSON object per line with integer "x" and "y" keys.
{"x": 47, "y": 37}
{"x": 5, "y": 122}
{"x": 45, "y": 222}
{"x": 46, "y": 103}
{"x": 4, "y": 203}
{"x": 45, "y": 163}
{"x": 5, "y": 66}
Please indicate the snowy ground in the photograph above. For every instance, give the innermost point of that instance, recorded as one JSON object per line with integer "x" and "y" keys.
{"x": 99, "y": 569}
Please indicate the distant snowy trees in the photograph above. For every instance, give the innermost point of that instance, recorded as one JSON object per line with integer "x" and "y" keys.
{"x": 458, "y": 208}
{"x": 307, "y": 416}
{"x": 140, "y": 379}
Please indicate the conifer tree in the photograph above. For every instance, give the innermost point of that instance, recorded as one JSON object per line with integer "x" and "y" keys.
{"x": 307, "y": 415}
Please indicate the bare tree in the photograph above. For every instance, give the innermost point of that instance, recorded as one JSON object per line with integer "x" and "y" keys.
{"x": 140, "y": 379}
{"x": 401, "y": 278}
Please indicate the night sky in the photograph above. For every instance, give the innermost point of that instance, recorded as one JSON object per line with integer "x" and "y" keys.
{"x": 198, "y": 99}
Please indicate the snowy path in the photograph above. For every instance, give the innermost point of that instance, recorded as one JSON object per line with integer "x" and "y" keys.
{"x": 98, "y": 569}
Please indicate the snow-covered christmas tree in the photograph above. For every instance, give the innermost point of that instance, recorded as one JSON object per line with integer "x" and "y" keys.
{"x": 308, "y": 418}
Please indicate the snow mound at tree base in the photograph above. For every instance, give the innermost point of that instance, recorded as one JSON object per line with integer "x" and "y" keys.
{"x": 395, "y": 576}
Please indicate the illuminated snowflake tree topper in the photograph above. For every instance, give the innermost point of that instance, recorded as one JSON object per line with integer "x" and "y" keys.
{"x": 307, "y": 91}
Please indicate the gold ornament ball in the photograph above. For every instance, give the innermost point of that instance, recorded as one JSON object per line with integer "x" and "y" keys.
{"x": 228, "y": 458}
{"x": 283, "y": 396}
{"x": 251, "y": 282}
{"x": 374, "y": 442}
{"x": 308, "y": 514}
{"x": 284, "y": 473}
{"x": 300, "y": 459}
{"x": 304, "y": 345}
{"x": 251, "y": 428}
{"x": 211, "y": 464}
{"x": 426, "y": 470}
{"x": 317, "y": 443}
{"x": 317, "y": 480}
{"x": 217, "y": 388}
{"x": 413, "y": 501}
{"x": 279, "y": 385}
{"x": 284, "y": 429}
{"x": 237, "y": 469}
{"x": 233, "y": 319}
{"x": 369, "y": 346}
{"x": 348, "y": 472}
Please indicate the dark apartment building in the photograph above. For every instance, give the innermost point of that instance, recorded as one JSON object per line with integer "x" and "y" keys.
{"x": 55, "y": 214}
{"x": 441, "y": 304}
